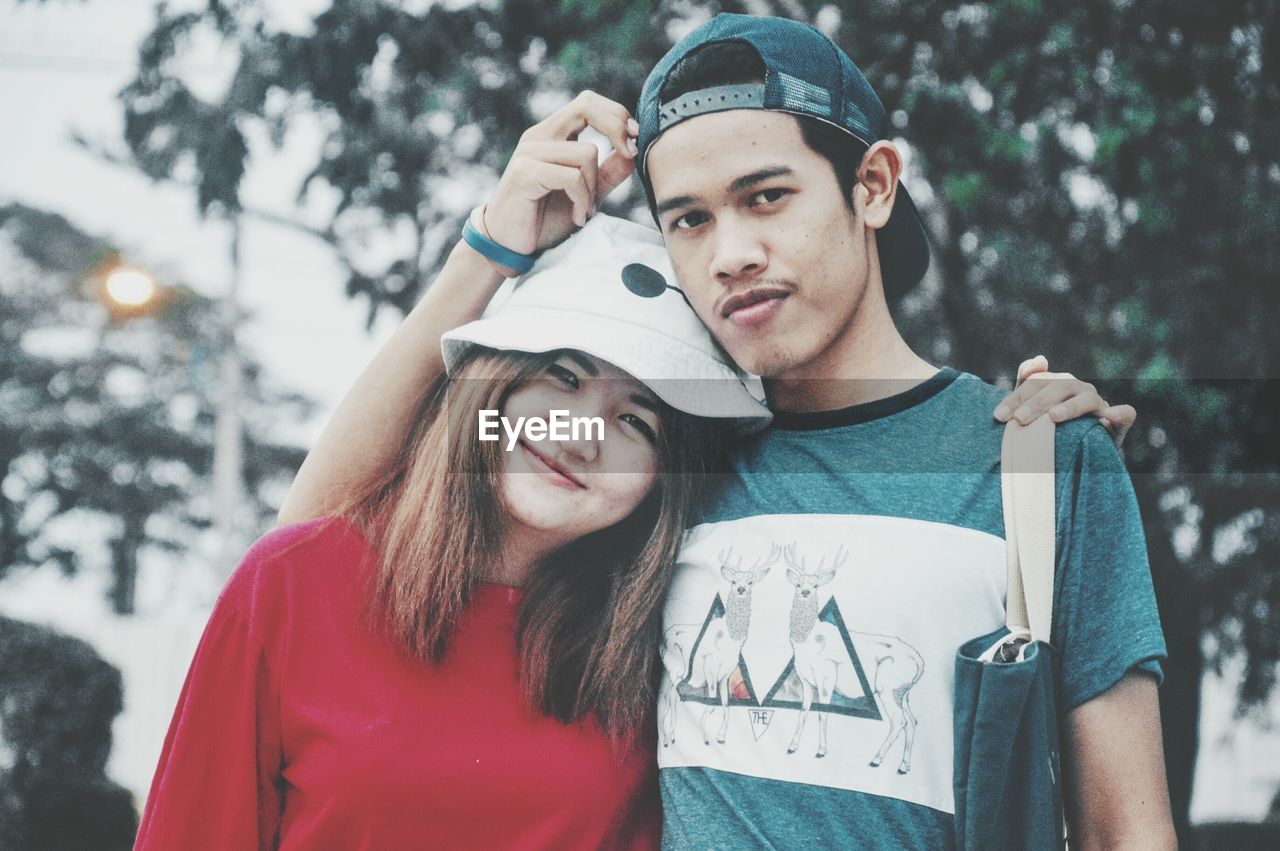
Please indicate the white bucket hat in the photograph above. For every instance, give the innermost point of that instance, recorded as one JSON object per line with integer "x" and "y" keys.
{"x": 608, "y": 291}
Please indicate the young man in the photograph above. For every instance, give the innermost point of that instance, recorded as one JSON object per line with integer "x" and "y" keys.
{"x": 859, "y": 541}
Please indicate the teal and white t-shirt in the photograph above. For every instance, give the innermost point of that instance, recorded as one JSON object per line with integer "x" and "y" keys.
{"x": 838, "y": 566}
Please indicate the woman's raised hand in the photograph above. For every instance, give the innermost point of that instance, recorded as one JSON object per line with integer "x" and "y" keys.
{"x": 553, "y": 183}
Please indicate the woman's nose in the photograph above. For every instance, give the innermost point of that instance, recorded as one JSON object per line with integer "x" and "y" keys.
{"x": 585, "y": 429}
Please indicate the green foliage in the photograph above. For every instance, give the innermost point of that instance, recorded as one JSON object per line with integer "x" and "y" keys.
{"x": 962, "y": 189}
{"x": 119, "y": 423}
{"x": 59, "y": 701}
{"x": 416, "y": 102}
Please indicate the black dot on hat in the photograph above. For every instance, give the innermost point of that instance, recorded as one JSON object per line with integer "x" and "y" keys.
{"x": 644, "y": 281}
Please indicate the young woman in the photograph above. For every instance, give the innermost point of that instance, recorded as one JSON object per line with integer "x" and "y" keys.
{"x": 463, "y": 651}
{"x": 464, "y": 655}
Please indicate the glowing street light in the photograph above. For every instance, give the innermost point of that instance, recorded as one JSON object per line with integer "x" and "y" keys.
{"x": 130, "y": 288}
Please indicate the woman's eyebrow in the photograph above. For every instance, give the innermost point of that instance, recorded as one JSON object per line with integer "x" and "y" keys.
{"x": 585, "y": 362}
{"x": 647, "y": 402}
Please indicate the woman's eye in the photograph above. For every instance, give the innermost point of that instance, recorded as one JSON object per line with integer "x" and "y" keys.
{"x": 563, "y": 375}
{"x": 688, "y": 220}
{"x": 641, "y": 426}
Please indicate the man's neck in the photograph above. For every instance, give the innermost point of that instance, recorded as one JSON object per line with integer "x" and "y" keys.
{"x": 868, "y": 361}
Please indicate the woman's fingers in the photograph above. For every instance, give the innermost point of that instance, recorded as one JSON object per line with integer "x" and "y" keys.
{"x": 521, "y": 217}
{"x": 528, "y": 210}
{"x": 1083, "y": 400}
{"x": 1031, "y": 366}
{"x": 1037, "y": 365}
{"x": 549, "y": 177}
{"x": 1119, "y": 419}
{"x": 1015, "y": 400}
{"x": 601, "y": 177}
{"x": 609, "y": 118}
{"x": 615, "y": 169}
{"x": 579, "y": 155}
{"x": 1046, "y": 391}
{"x": 1063, "y": 397}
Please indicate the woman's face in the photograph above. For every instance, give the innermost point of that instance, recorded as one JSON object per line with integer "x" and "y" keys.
{"x": 565, "y": 489}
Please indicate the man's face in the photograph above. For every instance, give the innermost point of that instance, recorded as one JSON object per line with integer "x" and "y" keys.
{"x": 767, "y": 250}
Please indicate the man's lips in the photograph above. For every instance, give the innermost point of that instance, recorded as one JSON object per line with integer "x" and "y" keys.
{"x": 754, "y": 305}
{"x": 549, "y": 469}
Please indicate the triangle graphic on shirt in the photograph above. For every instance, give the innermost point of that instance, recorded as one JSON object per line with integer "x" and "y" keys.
{"x": 852, "y": 696}
{"x": 693, "y": 685}
{"x": 760, "y": 719}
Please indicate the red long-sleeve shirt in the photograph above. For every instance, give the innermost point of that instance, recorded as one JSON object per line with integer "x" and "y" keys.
{"x": 299, "y": 727}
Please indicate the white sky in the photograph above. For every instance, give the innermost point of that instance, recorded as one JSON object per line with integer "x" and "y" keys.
{"x": 61, "y": 65}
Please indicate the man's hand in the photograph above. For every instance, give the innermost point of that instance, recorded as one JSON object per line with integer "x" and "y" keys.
{"x": 1063, "y": 397}
{"x": 553, "y": 183}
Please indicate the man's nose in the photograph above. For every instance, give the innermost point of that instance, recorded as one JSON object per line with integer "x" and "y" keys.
{"x": 739, "y": 251}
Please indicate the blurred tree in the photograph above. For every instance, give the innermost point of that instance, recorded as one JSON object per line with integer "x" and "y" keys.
{"x": 1099, "y": 179}
{"x": 60, "y": 698}
{"x": 109, "y": 415}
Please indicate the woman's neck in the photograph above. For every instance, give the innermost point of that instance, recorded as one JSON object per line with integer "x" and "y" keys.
{"x": 521, "y": 551}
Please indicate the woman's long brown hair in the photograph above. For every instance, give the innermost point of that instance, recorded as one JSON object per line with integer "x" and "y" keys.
{"x": 590, "y": 620}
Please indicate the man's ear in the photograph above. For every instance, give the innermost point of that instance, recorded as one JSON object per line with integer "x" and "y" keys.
{"x": 878, "y": 183}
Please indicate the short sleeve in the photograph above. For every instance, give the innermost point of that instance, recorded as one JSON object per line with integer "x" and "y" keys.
{"x": 1105, "y": 619}
{"x": 217, "y": 783}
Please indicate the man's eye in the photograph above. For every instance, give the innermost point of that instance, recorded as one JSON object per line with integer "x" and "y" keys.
{"x": 688, "y": 220}
{"x": 563, "y": 375}
{"x": 641, "y": 426}
{"x": 768, "y": 196}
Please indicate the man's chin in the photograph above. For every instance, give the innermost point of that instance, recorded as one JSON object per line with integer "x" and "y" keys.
{"x": 766, "y": 363}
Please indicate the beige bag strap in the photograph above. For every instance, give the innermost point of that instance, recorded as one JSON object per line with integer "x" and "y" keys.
{"x": 1030, "y": 517}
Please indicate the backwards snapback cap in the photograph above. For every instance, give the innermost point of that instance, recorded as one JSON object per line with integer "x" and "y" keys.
{"x": 806, "y": 75}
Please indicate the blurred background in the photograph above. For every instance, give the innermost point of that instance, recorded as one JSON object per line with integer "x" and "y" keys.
{"x": 212, "y": 211}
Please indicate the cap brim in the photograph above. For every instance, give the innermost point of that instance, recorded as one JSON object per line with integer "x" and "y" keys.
{"x": 705, "y": 387}
{"x": 903, "y": 247}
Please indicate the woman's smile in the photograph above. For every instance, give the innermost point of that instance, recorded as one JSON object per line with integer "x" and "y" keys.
{"x": 556, "y": 473}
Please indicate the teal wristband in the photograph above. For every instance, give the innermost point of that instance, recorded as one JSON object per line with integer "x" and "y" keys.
{"x": 503, "y": 256}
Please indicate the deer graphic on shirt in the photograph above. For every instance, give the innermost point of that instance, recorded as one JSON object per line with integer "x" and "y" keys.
{"x": 824, "y": 667}
{"x": 716, "y": 650}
